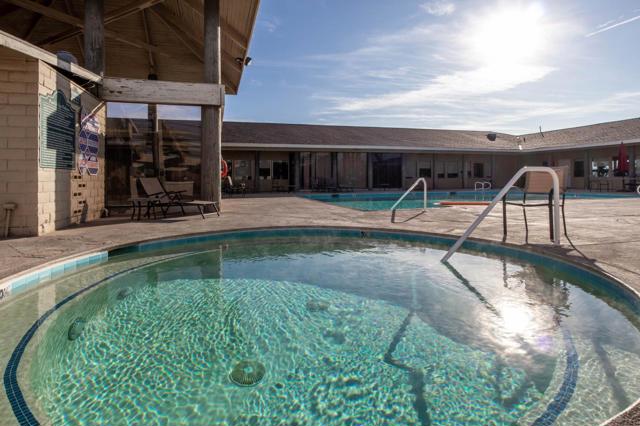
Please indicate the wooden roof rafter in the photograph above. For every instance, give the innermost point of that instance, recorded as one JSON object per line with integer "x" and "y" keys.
{"x": 192, "y": 42}
{"x": 139, "y": 42}
{"x": 113, "y": 16}
{"x": 79, "y": 23}
{"x": 228, "y": 29}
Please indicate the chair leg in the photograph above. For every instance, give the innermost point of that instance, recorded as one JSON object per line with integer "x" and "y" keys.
{"x": 139, "y": 211}
{"x": 504, "y": 219}
{"x": 215, "y": 207}
{"x": 551, "y": 224}
{"x": 133, "y": 210}
{"x": 201, "y": 210}
{"x": 526, "y": 225}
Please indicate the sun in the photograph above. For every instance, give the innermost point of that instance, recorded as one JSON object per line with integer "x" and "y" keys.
{"x": 514, "y": 34}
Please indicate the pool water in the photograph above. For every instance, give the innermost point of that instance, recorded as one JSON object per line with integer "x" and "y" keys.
{"x": 350, "y": 331}
{"x": 385, "y": 200}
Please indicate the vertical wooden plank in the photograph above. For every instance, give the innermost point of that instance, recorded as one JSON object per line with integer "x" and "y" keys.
{"x": 94, "y": 53}
{"x": 211, "y": 156}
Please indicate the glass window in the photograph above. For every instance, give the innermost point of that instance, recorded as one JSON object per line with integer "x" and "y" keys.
{"x": 281, "y": 170}
{"x": 387, "y": 170}
{"x": 424, "y": 172}
{"x": 352, "y": 169}
{"x": 452, "y": 170}
{"x": 151, "y": 140}
{"x": 440, "y": 170}
{"x": 600, "y": 168}
{"x": 478, "y": 170}
{"x": 129, "y": 153}
{"x": 578, "y": 169}
{"x": 241, "y": 170}
{"x": 180, "y": 155}
{"x": 264, "y": 171}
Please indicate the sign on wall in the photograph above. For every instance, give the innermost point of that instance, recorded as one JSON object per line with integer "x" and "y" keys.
{"x": 89, "y": 145}
{"x": 57, "y": 132}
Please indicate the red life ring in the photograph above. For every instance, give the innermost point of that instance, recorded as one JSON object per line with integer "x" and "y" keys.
{"x": 225, "y": 169}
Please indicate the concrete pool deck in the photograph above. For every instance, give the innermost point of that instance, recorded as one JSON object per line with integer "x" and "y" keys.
{"x": 603, "y": 234}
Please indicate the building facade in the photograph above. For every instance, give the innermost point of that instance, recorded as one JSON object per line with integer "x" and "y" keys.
{"x": 268, "y": 157}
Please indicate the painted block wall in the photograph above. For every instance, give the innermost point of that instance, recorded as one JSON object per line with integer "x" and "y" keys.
{"x": 67, "y": 197}
{"x": 47, "y": 199}
{"x": 19, "y": 141}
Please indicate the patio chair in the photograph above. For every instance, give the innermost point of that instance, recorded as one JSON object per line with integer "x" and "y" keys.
{"x": 538, "y": 183}
{"x": 167, "y": 199}
{"x": 138, "y": 202}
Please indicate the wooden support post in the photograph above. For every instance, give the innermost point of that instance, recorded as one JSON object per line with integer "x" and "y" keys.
{"x": 94, "y": 53}
{"x": 152, "y": 116}
{"x": 211, "y": 156}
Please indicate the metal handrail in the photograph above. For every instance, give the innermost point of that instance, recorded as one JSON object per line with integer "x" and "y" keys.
{"x": 408, "y": 191}
{"x": 481, "y": 185}
{"x": 501, "y": 194}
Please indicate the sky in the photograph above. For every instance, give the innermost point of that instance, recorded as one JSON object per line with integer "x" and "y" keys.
{"x": 509, "y": 66}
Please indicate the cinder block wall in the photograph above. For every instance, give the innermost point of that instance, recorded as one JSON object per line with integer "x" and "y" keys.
{"x": 67, "y": 197}
{"x": 47, "y": 198}
{"x": 19, "y": 141}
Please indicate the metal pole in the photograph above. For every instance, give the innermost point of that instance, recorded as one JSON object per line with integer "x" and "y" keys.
{"x": 501, "y": 194}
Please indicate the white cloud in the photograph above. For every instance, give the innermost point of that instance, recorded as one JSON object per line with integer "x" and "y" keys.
{"x": 270, "y": 24}
{"x": 612, "y": 26}
{"x": 439, "y": 7}
{"x": 457, "y": 85}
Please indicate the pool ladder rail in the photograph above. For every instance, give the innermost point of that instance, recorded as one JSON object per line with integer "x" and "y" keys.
{"x": 503, "y": 192}
{"x": 482, "y": 185}
{"x": 407, "y": 192}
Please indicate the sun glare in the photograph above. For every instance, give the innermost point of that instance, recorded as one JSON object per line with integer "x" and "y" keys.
{"x": 509, "y": 34}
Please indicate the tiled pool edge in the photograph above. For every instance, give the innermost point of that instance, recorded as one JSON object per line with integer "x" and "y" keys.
{"x": 43, "y": 273}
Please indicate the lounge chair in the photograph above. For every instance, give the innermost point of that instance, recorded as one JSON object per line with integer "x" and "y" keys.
{"x": 538, "y": 183}
{"x": 154, "y": 188}
{"x": 230, "y": 188}
{"x": 138, "y": 202}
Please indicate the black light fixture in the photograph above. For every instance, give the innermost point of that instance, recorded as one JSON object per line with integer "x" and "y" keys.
{"x": 243, "y": 62}
{"x": 491, "y": 136}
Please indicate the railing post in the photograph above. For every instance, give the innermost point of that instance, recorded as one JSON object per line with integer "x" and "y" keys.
{"x": 503, "y": 192}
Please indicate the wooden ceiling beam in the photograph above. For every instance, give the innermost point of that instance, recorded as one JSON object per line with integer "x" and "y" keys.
{"x": 79, "y": 23}
{"x": 69, "y": 8}
{"x": 35, "y": 21}
{"x": 190, "y": 40}
{"x": 147, "y": 36}
{"x": 226, "y": 27}
{"x": 115, "y": 15}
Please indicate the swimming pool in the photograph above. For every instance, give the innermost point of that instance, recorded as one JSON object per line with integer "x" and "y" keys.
{"x": 320, "y": 326}
{"x": 385, "y": 200}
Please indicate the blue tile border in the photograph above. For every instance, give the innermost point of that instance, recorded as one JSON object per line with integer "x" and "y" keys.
{"x": 21, "y": 410}
{"x": 554, "y": 409}
{"x": 568, "y": 387}
{"x": 43, "y": 274}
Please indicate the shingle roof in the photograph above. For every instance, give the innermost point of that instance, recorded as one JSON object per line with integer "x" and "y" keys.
{"x": 594, "y": 134}
{"x": 244, "y": 134}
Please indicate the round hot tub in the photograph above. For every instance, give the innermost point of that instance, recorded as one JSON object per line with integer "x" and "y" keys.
{"x": 321, "y": 326}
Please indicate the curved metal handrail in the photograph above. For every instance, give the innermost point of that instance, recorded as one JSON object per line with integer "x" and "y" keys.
{"x": 407, "y": 192}
{"x": 502, "y": 193}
